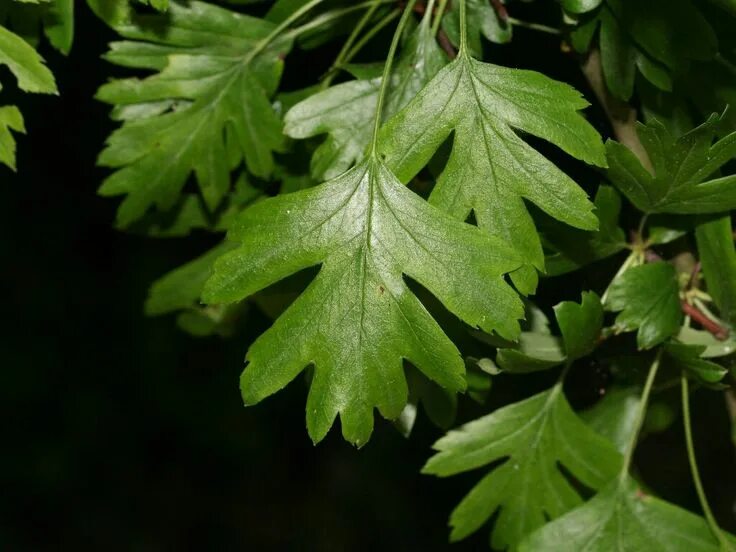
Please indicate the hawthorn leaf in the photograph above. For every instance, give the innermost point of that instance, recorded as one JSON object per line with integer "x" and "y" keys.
{"x": 58, "y": 25}
{"x": 182, "y": 287}
{"x": 345, "y": 111}
{"x": 439, "y": 404}
{"x": 534, "y": 438}
{"x": 25, "y": 63}
{"x": 10, "y": 119}
{"x": 681, "y": 182}
{"x": 647, "y": 297}
{"x": 491, "y": 170}
{"x": 533, "y": 353}
{"x": 213, "y": 62}
{"x": 689, "y": 358}
{"x": 623, "y": 517}
{"x": 717, "y": 254}
{"x": 570, "y": 249}
{"x": 655, "y": 38}
{"x": 580, "y": 324}
{"x": 357, "y": 319}
{"x": 537, "y": 350}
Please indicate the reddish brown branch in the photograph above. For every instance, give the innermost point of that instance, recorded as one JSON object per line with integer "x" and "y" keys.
{"x": 709, "y": 325}
{"x": 445, "y": 44}
{"x": 501, "y": 10}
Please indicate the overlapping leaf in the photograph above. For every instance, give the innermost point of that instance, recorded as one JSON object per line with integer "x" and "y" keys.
{"x": 648, "y": 298}
{"x": 655, "y": 38}
{"x": 537, "y": 349}
{"x": 357, "y": 319}
{"x": 32, "y": 76}
{"x": 345, "y": 111}
{"x": 54, "y": 17}
{"x": 533, "y": 438}
{"x": 622, "y": 517}
{"x": 210, "y": 97}
{"x": 491, "y": 170}
{"x": 683, "y": 181}
{"x": 571, "y": 249}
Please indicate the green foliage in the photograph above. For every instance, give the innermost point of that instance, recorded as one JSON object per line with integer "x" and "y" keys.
{"x": 357, "y": 319}
{"x": 345, "y": 112}
{"x": 623, "y": 517}
{"x": 393, "y": 225}
{"x": 683, "y": 167}
{"x": 534, "y": 437}
{"x": 32, "y": 76}
{"x": 647, "y": 297}
{"x": 490, "y": 169}
{"x": 210, "y": 97}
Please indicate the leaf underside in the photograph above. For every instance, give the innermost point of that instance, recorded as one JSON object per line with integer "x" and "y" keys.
{"x": 357, "y": 319}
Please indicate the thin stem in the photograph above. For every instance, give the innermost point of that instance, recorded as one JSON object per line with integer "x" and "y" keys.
{"x": 463, "y": 29}
{"x": 534, "y": 26}
{"x": 349, "y": 43}
{"x": 331, "y": 15}
{"x": 370, "y": 34}
{"x": 386, "y": 79}
{"x": 280, "y": 28}
{"x": 438, "y": 16}
{"x": 640, "y": 229}
{"x": 640, "y": 416}
{"x": 715, "y": 529}
{"x": 427, "y": 18}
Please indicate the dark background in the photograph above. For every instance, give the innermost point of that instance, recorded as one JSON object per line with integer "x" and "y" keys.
{"x": 122, "y": 433}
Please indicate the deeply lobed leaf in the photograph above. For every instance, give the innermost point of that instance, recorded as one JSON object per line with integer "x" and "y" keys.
{"x": 682, "y": 182}
{"x": 212, "y": 66}
{"x": 533, "y": 438}
{"x": 491, "y": 170}
{"x": 358, "y": 319}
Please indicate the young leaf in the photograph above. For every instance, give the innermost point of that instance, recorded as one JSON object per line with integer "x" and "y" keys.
{"x": 533, "y": 353}
{"x": 622, "y": 517}
{"x": 648, "y": 298}
{"x": 539, "y": 350}
{"x": 580, "y": 324}
{"x": 682, "y": 167}
{"x": 571, "y": 249}
{"x": 718, "y": 259}
{"x": 222, "y": 65}
{"x": 534, "y": 438}
{"x": 10, "y": 119}
{"x": 491, "y": 169}
{"x": 357, "y": 319}
{"x": 345, "y": 112}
